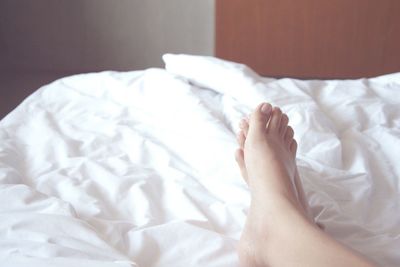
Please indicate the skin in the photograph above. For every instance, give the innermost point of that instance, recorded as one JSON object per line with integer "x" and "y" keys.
{"x": 280, "y": 230}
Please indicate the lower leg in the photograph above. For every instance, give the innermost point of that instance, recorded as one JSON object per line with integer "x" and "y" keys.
{"x": 291, "y": 240}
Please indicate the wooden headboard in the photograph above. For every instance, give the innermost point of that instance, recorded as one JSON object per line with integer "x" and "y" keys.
{"x": 310, "y": 38}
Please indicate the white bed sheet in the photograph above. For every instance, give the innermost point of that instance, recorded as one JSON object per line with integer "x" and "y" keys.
{"x": 137, "y": 168}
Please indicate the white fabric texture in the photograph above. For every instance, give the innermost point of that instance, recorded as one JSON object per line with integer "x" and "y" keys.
{"x": 137, "y": 168}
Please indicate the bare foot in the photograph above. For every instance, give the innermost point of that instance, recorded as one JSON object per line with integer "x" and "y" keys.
{"x": 267, "y": 160}
{"x": 288, "y": 136}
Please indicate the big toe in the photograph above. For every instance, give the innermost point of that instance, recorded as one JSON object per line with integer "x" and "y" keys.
{"x": 259, "y": 118}
{"x": 276, "y": 116}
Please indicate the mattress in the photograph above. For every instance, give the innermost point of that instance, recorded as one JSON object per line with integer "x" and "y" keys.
{"x": 137, "y": 168}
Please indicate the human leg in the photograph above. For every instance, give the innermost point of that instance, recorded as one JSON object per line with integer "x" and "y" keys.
{"x": 279, "y": 230}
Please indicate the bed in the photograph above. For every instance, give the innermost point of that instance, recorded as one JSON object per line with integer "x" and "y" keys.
{"x": 137, "y": 168}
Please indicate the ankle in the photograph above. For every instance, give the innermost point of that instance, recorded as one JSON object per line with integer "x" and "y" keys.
{"x": 270, "y": 221}
{"x": 277, "y": 214}
{"x": 283, "y": 220}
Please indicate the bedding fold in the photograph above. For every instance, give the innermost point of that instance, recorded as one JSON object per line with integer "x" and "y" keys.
{"x": 137, "y": 168}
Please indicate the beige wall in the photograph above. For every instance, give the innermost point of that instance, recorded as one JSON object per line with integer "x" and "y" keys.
{"x": 90, "y": 35}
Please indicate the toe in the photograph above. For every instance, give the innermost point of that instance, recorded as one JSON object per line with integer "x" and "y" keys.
{"x": 239, "y": 156}
{"x": 241, "y": 139}
{"x": 245, "y": 126}
{"x": 284, "y": 123}
{"x": 259, "y": 118}
{"x": 242, "y": 123}
{"x": 293, "y": 147}
{"x": 274, "y": 124}
{"x": 289, "y": 134}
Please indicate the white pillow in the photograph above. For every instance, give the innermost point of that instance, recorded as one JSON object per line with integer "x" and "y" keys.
{"x": 220, "y": 75}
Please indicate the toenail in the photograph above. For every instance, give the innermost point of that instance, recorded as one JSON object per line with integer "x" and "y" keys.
{"x": 266, "y": 108}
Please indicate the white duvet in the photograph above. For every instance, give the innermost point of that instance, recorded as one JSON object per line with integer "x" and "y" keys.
{"x": 137, "y": 168}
